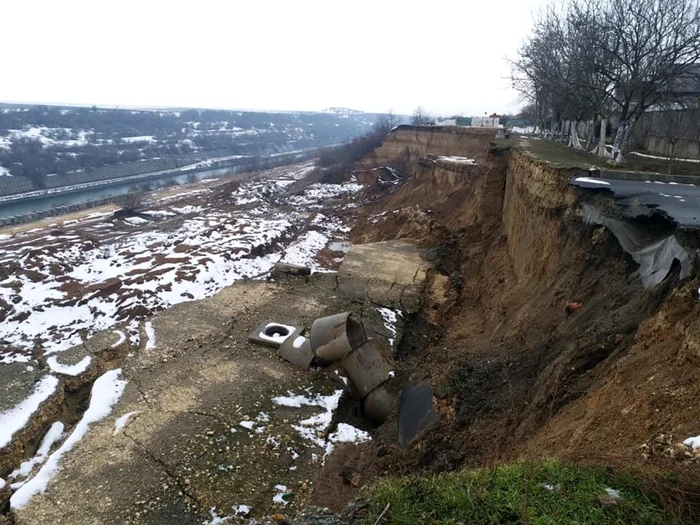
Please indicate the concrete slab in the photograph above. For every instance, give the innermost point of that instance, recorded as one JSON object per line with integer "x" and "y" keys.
{"x": 17, "y": 381}
{"x": 389, "y": 273}
{"x": 103, "y": 351}
{"x": 107, "y": 341}
{"x": 207, "y": 433}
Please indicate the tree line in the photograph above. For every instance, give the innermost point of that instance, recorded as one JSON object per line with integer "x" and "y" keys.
{"x": 605, "y": 60}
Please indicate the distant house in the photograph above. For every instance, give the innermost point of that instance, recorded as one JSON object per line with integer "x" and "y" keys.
{"x": 485, "y": 122}
{"x": 446, "y": 122}
{"x": 454, "y": 121}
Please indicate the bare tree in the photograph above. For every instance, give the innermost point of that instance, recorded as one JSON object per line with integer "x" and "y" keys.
{"x": 385, "y": 123}
{"x": 132, "y": 201}
{"x": 652, "y": 43}
{"x": 598, "y": 58}
{"x": 421, "y": 117}
{"x": 670, "y": 125}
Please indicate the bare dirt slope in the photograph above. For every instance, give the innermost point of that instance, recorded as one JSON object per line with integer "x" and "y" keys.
{"x": 515, "y": 373}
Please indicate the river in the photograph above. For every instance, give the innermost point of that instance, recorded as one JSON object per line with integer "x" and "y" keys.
{"x": 140, "y": 183}
{"x": 23, "y": 207}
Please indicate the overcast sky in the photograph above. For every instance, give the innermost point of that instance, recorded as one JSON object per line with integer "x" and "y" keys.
{"x": 378, "y": 55}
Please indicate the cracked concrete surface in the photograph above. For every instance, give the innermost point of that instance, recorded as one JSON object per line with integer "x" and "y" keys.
{"x": 388, "y": 273}
{"x": 186, "y": 452}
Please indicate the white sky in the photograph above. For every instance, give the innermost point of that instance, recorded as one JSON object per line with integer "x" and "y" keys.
{"x": 380, "y": 55}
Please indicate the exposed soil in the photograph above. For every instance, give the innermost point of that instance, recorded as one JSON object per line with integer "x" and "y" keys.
{"x": 535, "y": 333}
{"x": 516, "y": 371}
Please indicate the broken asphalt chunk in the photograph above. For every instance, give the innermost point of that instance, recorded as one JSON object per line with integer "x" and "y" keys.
{"x": 416, "y": 413}
{"x": 281, "y": 269}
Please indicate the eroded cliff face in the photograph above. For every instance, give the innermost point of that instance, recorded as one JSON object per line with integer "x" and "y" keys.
{"x": 414, "y": 142}
{"x": 515, "y": 372}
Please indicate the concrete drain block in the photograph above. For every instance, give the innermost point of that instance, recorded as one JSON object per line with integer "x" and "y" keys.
{"x": 272, "y": 334}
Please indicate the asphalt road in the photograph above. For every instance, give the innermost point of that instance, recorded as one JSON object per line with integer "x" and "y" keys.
{"x": 680, "y": 201}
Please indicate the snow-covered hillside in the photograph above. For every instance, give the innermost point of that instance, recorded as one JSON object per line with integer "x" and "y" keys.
{"x": 41, "y": 141}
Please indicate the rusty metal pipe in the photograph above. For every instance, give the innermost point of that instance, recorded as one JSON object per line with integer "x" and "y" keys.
{"x": 367, "y": 366}
{"x": 380, "y": 403}
{"x": 335, "y": 336}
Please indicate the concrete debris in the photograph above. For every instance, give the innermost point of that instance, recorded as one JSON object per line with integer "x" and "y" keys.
{"x": 367, "y": 366}
{"x": 390, "y": 273}
{"x": 272, "y": 334}
{"x": 380, "y": 403}
{"x": 281, "y": 269}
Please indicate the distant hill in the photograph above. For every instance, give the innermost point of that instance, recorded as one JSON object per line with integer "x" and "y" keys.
{"x": 39, "y": 140}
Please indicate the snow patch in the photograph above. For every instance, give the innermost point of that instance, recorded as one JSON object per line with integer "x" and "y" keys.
{"x": 6, "y": 359}
{"x": 304, "y": 249}
{"x": 69, "y": 370}
{"x": 151, "y": 336}
{"x": 279, "y": 497}
{"x": 135, "y": 221}
{"x": 215, "y": 518}
{"x": 315, "y": 426}
{"x": 693, "y": 442}
{"x": 142, "y": 138}
{"x": 106, "y": 391}
{"x": 658, "y": 157}
{"x": 348, "y": 434}
{"x": 122, "y": 337}
{"x": 457, "y": 160}
{"x": 54, "y": 434}
{"x": 241, "y": 510}
{"x": 122, "y": 421}
{"x": 592, "y": 181}
{"x": 345, "y": 434}
{"x": 390, "y": 318}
